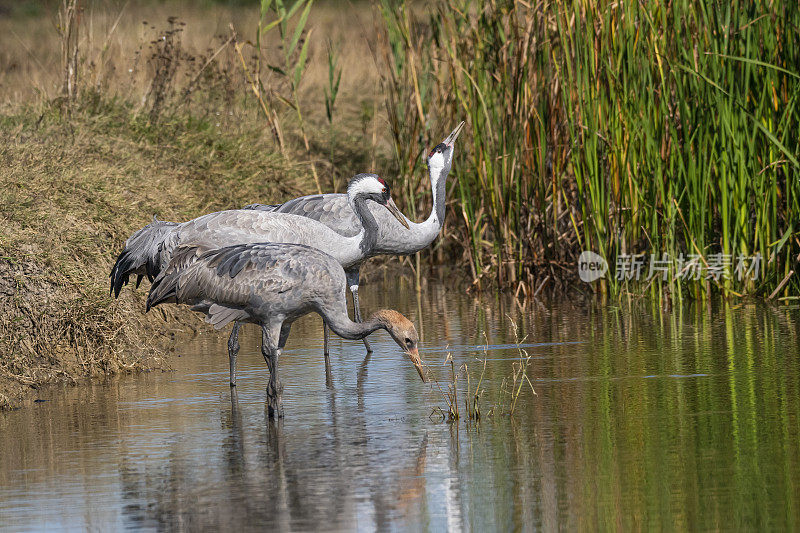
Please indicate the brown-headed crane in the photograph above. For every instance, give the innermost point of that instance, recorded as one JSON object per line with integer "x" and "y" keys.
{"x": 272, "y": 285}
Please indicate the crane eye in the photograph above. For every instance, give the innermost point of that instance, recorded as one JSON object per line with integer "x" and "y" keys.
{"x": 409, "y": 343}
{"x": 383, "y": 191}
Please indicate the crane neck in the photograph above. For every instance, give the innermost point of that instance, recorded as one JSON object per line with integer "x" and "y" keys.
{"x": 439, "y": 196}
{"x": 439, "y": 193}
{"x": 340, "y": 323}
{"x": 369, "y": 233}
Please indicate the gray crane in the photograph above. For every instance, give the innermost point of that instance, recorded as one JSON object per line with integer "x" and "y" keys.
{"x": 272, "y": 285}
{"x": 334, "y": 211}
{"x": 149, "y": 251}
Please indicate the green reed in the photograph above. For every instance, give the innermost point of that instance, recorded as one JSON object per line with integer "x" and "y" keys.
{"x": 622, "y": 128}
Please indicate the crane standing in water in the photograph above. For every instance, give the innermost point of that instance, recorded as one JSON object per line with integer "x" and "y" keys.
{"x": 334, "y": 211}
{"x": 149, "y": 251}
{"x": 272, "y": 284}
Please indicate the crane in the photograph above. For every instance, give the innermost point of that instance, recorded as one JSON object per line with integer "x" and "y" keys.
{"x": 334, "y": 211}
{"x": 272, "y": 285}
{"x": 149, "y": 251}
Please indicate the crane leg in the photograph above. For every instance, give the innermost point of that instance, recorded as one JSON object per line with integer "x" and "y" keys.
{"x": 353, "y": 275}
{"x": 357, "y": 312}
{"x": 233, "y": 351}
{"x": 271, "y": 355}
{"x": 328, "y": 373}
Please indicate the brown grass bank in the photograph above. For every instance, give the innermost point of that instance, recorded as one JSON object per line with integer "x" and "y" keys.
{"x": 71, "y": 191}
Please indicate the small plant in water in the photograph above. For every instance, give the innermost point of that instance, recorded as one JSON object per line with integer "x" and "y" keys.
{"x": 472, "y": 398}
{"x": 512, "y": 387}
{"x": 451, "y": 396}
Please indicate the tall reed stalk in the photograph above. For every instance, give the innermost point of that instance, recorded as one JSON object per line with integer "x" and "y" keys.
{"x": 623, "y": 128}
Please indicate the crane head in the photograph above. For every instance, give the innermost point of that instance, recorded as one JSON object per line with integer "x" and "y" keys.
{"x": 404, "y": 334}
{"x": 441, "y": 157}
{"x": 372, "y": 187}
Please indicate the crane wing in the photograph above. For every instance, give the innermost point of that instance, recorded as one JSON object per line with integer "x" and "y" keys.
{"x": 238, "y": 282}
{"x": 141, "y": 251}
{"x": 242, "y": 226}
{"x": 333, "y": 210}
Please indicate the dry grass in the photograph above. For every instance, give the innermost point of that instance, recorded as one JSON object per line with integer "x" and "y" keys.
{"x": 70, "y": 194}
{"x": 116, "y": 44}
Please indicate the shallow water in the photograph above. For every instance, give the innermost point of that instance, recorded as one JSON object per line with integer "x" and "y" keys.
{"x": 687, "y": 420}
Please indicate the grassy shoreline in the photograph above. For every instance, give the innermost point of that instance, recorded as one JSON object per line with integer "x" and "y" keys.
{"x": 162, "y": 122}
{"x": 70, "y": 194}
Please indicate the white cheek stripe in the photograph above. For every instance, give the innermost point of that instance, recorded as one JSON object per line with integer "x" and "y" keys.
{"x": 366, "y": 185}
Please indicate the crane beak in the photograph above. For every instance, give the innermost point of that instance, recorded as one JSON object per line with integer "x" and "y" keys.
{"x": 417, "y": 361}
{"x": 390, "y": 205}
{"x": 451, "y": 139}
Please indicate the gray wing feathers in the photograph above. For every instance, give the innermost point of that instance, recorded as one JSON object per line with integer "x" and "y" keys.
{"x": 165, "y": 287}
{"x": 248, "y": 226}
{"x": 262, "y": 207}
{"x": 245, "y": 281}
{"x": 333, "y": 210}
{"x": 223, "y": 228}
{"x": 165, "y": 250}
{"x": 220, "y": 316}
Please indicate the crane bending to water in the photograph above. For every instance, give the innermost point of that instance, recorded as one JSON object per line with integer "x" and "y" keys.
{"x": 149, "y": 251}
{"x": 272, "y": 284}
{"x": 334, "y": 211}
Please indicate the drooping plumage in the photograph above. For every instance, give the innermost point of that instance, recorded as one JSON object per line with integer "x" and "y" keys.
{"x": 271, "y": 284}
{"x": 141, "y": 249}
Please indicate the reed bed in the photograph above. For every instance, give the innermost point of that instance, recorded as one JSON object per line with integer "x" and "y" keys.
{"x": 619, "y": 127}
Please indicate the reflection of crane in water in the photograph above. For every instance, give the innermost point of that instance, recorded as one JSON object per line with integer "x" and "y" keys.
{"x": 272, "y": 285}
{"x": 335, "y": 211}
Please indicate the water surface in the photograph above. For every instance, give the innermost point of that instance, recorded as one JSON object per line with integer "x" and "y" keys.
{"x": 682, "y": 420}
